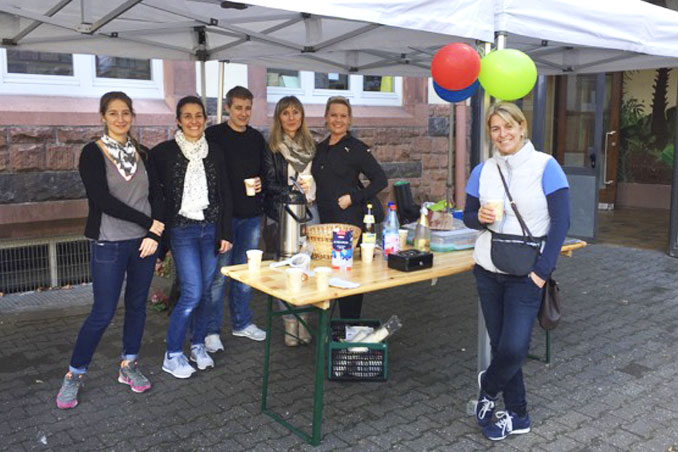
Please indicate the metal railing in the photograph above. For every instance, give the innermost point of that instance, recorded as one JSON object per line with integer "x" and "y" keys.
{"x": 33, "y": 264}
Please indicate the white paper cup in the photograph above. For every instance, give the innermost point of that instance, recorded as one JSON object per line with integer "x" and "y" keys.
{"x": 322, "y": 275}
{"x": 254, "y": 260}
{"x": 497, "y": 206}
{"x": 402, "y": 233}
{"x": 367, "y": 252}
{"x": 294, "y": 279}
{"x": 249, "y": 186}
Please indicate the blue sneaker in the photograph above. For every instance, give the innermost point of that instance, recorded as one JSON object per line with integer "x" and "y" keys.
{"x": 484, "y": 405}
{"x": 508, "y": 423}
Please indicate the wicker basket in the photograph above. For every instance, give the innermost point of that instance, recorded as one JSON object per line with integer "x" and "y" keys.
{"x": 320, "y": 236}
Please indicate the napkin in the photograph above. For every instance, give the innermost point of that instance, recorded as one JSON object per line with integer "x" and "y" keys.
{"x": 342, "y": 283}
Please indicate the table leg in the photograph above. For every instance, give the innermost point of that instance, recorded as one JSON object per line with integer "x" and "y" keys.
{"x": 320, "y": 363}
{"x": 267, "y": 352}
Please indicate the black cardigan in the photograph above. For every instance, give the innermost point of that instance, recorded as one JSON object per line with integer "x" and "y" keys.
{"x": 165, "y": 157}
{"x": 92, "y": 167}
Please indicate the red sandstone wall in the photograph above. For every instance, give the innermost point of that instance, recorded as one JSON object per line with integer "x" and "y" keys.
{"x": 411, "y": 141}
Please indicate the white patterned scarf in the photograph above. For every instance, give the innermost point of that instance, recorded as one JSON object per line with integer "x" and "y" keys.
{"x": 195, "y": 198}
{"x": 124, "y": 156}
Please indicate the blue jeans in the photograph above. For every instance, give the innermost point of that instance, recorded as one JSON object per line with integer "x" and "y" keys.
{"x": 110, "y": 262}
{"x": 246, "y": 235}
{"x": 195, "y": 257}
{"x": 510, "y": 305}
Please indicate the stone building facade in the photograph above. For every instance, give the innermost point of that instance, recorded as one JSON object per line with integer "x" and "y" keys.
{"x": 41, "y": 193}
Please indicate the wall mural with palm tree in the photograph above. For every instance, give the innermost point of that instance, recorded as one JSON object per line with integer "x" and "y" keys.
{"x": 647, "y": 127}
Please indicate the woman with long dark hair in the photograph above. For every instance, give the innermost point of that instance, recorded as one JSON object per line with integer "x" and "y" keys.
{"x": 198, "y": 205}
{"x": 125, "y": 222}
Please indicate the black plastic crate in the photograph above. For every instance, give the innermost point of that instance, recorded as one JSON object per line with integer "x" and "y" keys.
{"x": 368, "y": 364}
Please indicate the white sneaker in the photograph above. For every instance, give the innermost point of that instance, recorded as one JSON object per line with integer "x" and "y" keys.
{"x": 251, "y": 331}
{"x": 200, "y": 357}
{"x": 177, "y": 366}
{"x": 213, "y": 343}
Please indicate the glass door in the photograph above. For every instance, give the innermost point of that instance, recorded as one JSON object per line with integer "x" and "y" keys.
{"x": 579, "y": 116}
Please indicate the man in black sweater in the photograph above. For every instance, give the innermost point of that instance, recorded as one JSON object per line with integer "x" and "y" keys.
{"x": 244, "y": 149}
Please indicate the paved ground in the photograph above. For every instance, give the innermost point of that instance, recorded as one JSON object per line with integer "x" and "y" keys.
{"x": 612, "y": 385}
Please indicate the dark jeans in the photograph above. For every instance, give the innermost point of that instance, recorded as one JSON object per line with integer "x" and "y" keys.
{"x": 350, "y": 307}
{"x": 246, "y": 235}
{"x": 195, "y": 256}
{"x": 510, "y": 305}
{"x": 110, "y": 263}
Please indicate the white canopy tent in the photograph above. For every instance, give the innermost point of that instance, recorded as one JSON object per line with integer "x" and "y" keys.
{"x": 578, "y": 36}
{"x": 378, "y": 37}
{"x": 373, "y": 38}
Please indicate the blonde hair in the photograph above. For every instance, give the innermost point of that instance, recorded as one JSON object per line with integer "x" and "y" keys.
{"x": 510, "y": 113}
{"x": 341, "y": 100}
{"x": 303, "y": 136}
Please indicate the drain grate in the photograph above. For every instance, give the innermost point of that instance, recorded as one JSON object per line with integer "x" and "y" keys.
{"x": 33, "y": 264}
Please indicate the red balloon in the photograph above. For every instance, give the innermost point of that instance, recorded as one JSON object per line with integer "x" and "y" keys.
{"x": 455, "y": 66}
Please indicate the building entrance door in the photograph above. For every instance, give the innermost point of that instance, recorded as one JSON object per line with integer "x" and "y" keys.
{"x": 581, "y": 106}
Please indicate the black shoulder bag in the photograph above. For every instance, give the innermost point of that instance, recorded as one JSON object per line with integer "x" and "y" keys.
{"x": 515, "y": 254}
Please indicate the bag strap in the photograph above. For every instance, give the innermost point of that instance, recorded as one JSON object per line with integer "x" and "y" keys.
{"x": 523, "y": 226}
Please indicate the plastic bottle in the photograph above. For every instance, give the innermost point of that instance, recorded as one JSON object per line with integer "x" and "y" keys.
{"x": 370, "y": 235}
{"x": 390, "y": 237}
{"x": 422, "y": 235}
{"x": 386, "y": 330}
{"x": 379, "y": 335}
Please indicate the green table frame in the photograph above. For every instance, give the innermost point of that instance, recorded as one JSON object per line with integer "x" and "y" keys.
{"x": 320, "y": 335}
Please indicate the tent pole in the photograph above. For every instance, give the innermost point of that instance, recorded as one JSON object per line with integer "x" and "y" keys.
{"x": 673, "y": 219}
{"x": 460, "y": 155}
{"x": 484, "y": 351}
{"x": 484, "y": 105}
{"x": 203, "y": 83}
{"x": 539, "y": 113}
{"x": 450, "y": 156}
{"x": 220, "y": 95}
{"x": 85, "y": 13}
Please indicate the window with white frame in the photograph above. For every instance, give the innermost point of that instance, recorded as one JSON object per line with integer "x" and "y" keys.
{"x": 316, "y": 87}
{"x": 58, "y": 74}
{"x": 123, "y": 68}
{"x": 39, "y": 63}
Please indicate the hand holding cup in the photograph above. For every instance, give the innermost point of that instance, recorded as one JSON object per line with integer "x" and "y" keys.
{"x": 305, "y": 182}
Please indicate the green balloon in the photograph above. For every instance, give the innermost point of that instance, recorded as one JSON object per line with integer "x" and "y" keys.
{"x": 507, "y": 74}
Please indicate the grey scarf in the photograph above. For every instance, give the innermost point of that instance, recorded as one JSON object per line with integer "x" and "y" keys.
{"x": 295, "y": 154}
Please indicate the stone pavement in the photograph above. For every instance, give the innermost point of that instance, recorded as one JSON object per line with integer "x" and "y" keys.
{"x": 611, "y": 386}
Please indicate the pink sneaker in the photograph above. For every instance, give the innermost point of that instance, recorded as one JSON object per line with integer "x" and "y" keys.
{"x": 132, "y": 376}
{"x": 68, "y": 394}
